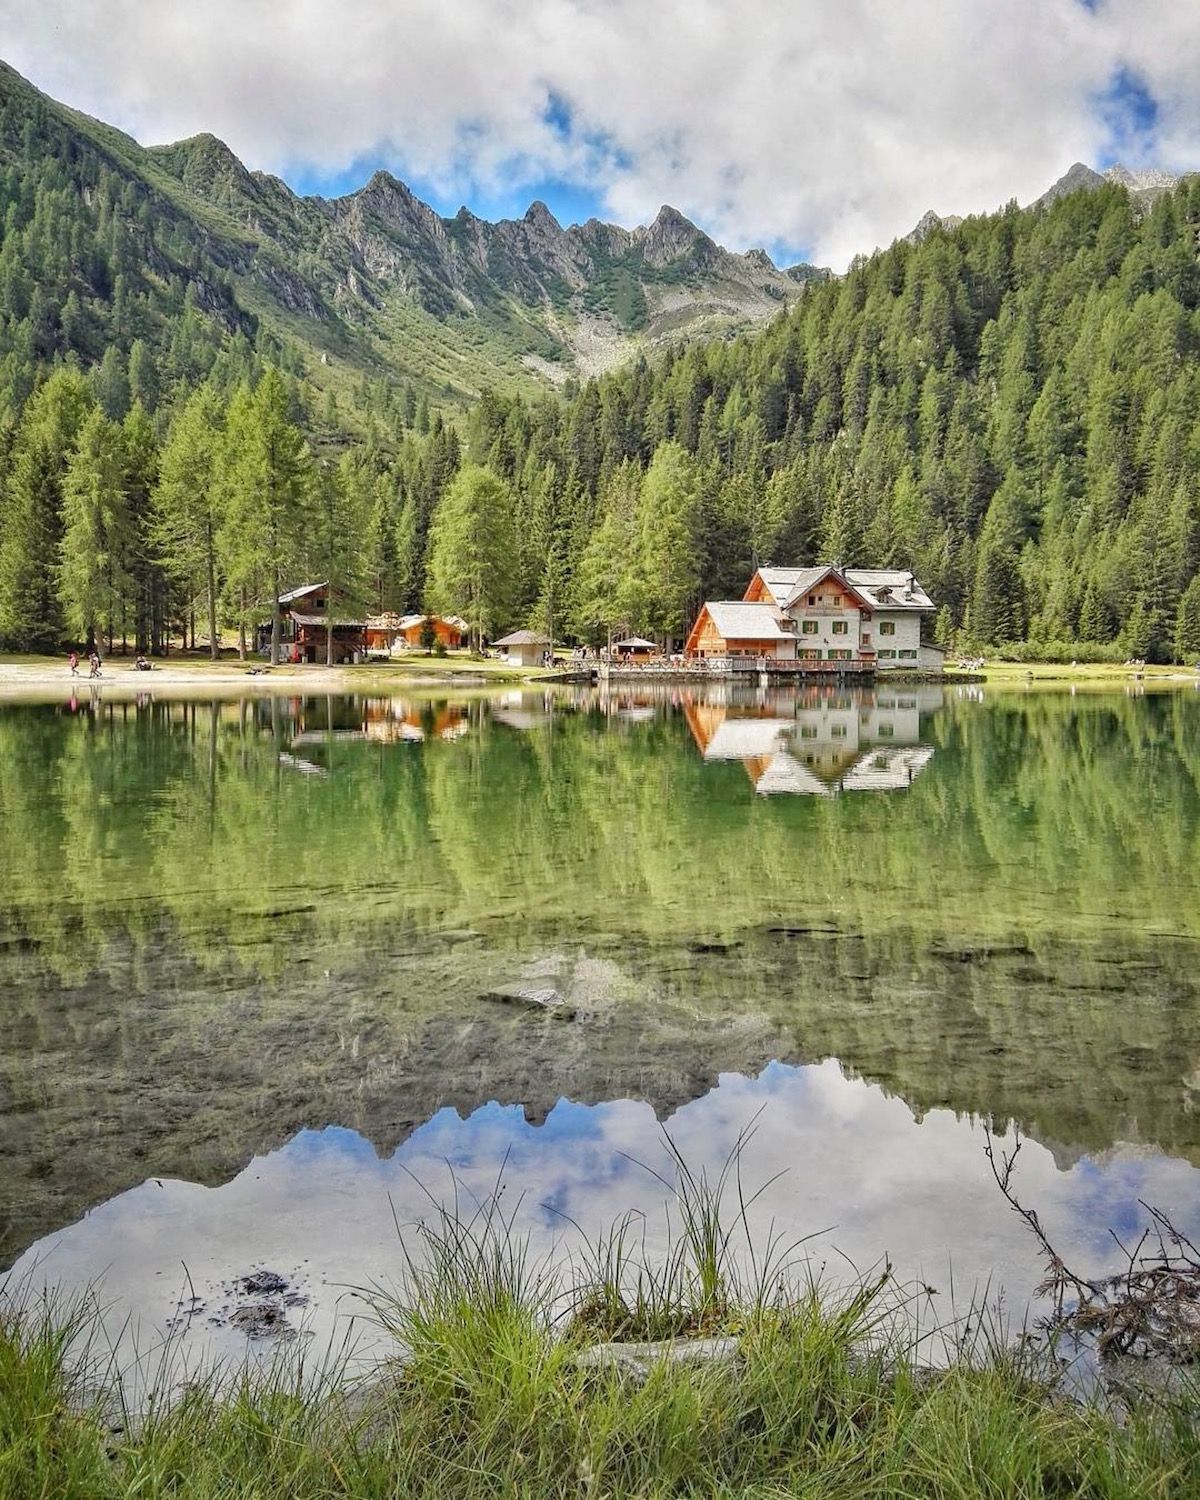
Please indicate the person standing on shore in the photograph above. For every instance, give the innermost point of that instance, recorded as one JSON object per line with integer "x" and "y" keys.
{"x": 73, "y": 663}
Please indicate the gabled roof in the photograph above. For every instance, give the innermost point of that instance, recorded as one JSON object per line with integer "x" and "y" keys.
{"x": 812, "y": 577}
{"x": 638, "y": 642}
{"x": 887, "y": 770}
{"x": 787, "y": 585}
{"x": 523, "y": 638}
{"x": 889, "y": 588}
{"x": 738, "y": 621}
{"x": 782, "y": 583}
{"x": 301, "y": 592}
{"x": 408, "y": 622}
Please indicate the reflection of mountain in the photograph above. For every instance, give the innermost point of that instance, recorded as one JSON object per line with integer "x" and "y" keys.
{"x": 832, "y": 741}
{"x": 827, "y": 1149}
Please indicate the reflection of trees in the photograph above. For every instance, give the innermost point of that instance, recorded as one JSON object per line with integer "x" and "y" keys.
{"x": 1039, "y": 813}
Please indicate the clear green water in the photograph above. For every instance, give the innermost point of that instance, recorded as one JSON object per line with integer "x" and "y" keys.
{"x": 226, "y": 926}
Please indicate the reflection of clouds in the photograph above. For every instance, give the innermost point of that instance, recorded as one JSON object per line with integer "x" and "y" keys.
{"x": 321, "y": 1208}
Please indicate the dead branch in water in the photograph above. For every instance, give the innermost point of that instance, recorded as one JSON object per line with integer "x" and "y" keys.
{"x": 1149, "y": 1310}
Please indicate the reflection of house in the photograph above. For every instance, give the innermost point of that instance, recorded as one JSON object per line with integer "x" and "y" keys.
{"x": 846, "y": 618}
{"x": 524, "y": 648}
{"x": 835, "y": 741}
{"x": 304, "y": 624}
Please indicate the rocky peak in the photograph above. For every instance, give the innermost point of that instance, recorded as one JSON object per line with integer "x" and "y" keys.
{"x": 757, "y": 256}
{"x": 202, "y": 162}
{"x": 671, "y": 237}
{"x": 1144, "y": 180}
{"x": 538, "y": 216}
{"x": 1073, "y": 180}
{"x": 928, "y": 223}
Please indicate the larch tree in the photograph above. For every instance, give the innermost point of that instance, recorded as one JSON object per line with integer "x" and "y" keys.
{"x": 268, "y": 479}
{"x": 94, "y": 572}
{"x": 472, "y": 550}
{"x": 667, "y": 564}
{"x": 31, "y": 504}
{"x": 188, "y": 502}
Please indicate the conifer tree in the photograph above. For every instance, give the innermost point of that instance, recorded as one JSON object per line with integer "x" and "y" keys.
{"x": 31, "y": 512}
{"x": 188, "y": 502}
{"x": 472, "y": 543}
{"x": 94, "y": 577}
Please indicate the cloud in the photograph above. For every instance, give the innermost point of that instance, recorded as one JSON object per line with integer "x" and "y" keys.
{"x": 831, "y": 124}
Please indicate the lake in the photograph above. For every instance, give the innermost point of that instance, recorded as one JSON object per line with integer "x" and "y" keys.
{"x": 275, "y": 972}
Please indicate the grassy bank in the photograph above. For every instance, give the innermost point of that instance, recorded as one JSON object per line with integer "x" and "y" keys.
{"x": 809, "y": 1396}
{"x": 1091, "y": 673}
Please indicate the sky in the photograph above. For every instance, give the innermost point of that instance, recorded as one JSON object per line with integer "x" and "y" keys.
{"x": 819, "y": 129}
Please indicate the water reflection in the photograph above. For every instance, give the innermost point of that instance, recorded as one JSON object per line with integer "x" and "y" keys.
{"x": 818, "y": 741}
{"x": 821, "y": 741}
{"x": 224, "y": 921}
{"x": 851, "y": 1160}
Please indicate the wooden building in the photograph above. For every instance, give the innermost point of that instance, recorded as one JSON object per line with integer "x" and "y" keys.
{"x": 449, "y": 631}
{"x": 820, "y": 619}
{"x": 304, "y": 625}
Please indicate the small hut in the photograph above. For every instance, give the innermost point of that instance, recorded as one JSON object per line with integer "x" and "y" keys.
{"x": 636, "y": 646}
{"x": 524, "y": 648}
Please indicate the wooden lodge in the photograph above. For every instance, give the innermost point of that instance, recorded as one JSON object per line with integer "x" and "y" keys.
{"x": 825, "y": 621}
{"x": 304, "y": 624}
{"x": 449, "y": 631}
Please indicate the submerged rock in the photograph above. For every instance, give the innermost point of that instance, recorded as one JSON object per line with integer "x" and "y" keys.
{"x": 549, "y": 1001}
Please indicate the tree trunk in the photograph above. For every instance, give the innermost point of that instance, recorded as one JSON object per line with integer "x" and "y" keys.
{"x": 213, "y": 647}
{"x": 275, "y": 621}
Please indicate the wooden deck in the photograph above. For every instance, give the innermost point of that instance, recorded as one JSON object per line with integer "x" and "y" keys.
{"x": 727, "y": 668}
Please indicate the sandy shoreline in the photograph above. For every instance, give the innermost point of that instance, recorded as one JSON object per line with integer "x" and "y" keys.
{"x": 120, "y": 681}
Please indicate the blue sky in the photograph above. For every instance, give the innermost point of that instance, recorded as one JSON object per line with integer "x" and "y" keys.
{"x": 820, "y": 128}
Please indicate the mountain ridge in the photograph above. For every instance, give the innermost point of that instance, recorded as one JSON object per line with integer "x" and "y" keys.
{"x": 376, "y": 283}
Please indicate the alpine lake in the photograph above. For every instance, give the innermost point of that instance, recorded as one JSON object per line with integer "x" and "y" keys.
{"x": 277, "y": 974}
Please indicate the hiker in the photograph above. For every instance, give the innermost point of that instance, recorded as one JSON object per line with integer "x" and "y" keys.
{"x": 73, "y": 663}
{"x": 96, "y": 665}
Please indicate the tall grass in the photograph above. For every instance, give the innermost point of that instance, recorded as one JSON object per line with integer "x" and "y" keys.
{"x": 819, "y": 1395}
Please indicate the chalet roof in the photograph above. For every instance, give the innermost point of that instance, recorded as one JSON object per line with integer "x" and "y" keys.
{"x": 523, "y": 638}
{"x": 634, "y": 642}
{"x": 782, "y": 583}
{"x": 300, "y": 593}
{"x": 738, "y": 621}
{"x": 889, "y": 588}
{"x": 324, "y": 620}
{"x": 903, "y": 591}
{"x": 811, "y": 577}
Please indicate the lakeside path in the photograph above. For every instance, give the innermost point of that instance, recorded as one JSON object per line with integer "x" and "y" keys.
{"x": 48, "y": 679}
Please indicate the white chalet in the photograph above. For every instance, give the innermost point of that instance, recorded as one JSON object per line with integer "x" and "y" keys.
{"x": 865, "y": 618}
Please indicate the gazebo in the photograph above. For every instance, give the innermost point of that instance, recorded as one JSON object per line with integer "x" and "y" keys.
{"x": 634, "y": 645}
{"x": 524, "y": 648}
